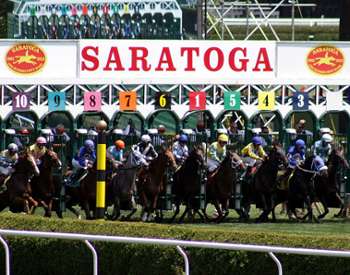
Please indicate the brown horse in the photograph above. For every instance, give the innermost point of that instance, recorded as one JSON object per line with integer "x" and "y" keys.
{"x": 327, "y": 192}
{"x": 263, "y": 187}
{"x": 43, "y": 185}
{"x": 18, "y": 195}
{"x": 120, "y": 189}
{"x": 151, "y": 181}
{"x": 85, "y": 193}
{"x": 187, "y": 183}
{"x": 221, "y": 182}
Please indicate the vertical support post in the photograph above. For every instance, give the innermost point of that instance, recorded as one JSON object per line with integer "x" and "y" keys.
{"x": 293, "y": 20}
{"x": 101, "y": 170}
{"x": 222, "y": 19}
{"x": 205, "y": 18}
{"x": 199, "y": 19}
{"x": 247, "y": 11}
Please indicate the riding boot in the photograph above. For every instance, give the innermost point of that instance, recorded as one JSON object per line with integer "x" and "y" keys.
{"x": 75, "y": 176}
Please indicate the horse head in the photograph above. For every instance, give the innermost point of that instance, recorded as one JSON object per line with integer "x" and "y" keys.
{"x": 26, "y": 164}
{"x": 169, "y": 157}
{"x": 278, "y": 155}
{"x": 49, "y": 159}
{"x": 236, "y": 161}
{"x": 337, "y": 159}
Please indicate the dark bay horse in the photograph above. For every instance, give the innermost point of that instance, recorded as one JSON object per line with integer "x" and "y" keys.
{"x": 85, "y": 193}
{"x": 302, "y": 189}
{"x": 186, "y": 185}
{"x": 120, "y": 190}
{"x": 327, "y": 192}
{"x": 43, "y": 186}
{"x": 18, "y": 195}
{"x": 221, "y": 183}
{"x": 262, "y": 189}
{"x": 151, "y": 181}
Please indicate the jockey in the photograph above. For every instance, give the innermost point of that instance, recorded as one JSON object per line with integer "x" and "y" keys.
{"x": 11, "y": 153}
{"x": 323, "y": 147}
{"x": 38, "y": 149}
{"x": 217, "y": 152}
{"x": 58, "y": 136}
{"x": 22, "y": 138}
{"x": 253, "y": 154}
{"x": 115, "y": 152}
{"x": 144, "y": 150}
{"x": 180, "y": 149}
{"x": 318, "y": 164}
{"x": 83, "y": 160}
{"x": 296, "y": 154}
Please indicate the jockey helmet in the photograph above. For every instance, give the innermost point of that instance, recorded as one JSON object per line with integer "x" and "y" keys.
{"x": 183, "y": 138}
{"x": 223, "y": 138}
{"x": 12, "y": 147}
{"x": 89, "y": 144}
{"x": 257, "y": 140}
{"x": 119, "y": 144}
{"x": 300, "y": 143}
{"x": 23, "y": 131}
{"x": 41, "y": 140}
{"x": 146, "y": 138}
{"x": 60, "y": 128}
{"x": 161, "y": 129}
{"x": 327, "y": 138}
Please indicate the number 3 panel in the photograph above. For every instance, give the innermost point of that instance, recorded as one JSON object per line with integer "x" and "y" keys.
{"x": 57, "y": 101}
{"x": 300, "y": 101}
{"x": 266, "y": 101}
{"x": 92, "y": 101}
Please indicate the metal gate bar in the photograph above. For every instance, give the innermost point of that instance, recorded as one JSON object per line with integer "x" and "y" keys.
{"x": 170, "y": 242}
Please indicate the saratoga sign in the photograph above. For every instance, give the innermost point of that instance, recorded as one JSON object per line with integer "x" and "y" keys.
{"x": 176, "y": 61}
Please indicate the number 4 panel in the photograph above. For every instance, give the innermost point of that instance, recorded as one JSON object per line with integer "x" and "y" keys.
{"x": 266, "y": 101}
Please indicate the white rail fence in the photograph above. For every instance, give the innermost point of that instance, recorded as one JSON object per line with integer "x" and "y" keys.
{"x": 270, "y": 250}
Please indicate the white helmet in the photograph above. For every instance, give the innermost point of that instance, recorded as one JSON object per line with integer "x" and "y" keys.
{"x": 12, "y": 147}
{"x": 327, "y": 138}
{"x": 146, "y": 138}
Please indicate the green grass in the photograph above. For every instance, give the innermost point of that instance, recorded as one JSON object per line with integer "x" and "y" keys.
{"x": 330, "y": 226}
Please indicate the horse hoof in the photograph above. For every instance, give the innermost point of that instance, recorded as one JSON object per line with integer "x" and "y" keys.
{"x": 144, "y": 217}
{"x": 79, "y": 217}
{"x": 151, "y": 218}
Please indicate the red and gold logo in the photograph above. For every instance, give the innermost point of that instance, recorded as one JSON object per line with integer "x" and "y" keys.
{"x": 325, "y": 60}
{"x": 25, "y": 58}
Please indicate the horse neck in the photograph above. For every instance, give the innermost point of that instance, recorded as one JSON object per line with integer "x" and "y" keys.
{"x": 158, "y": 165}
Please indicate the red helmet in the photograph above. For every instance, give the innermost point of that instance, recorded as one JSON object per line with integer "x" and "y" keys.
{"x": 120, "y": 144}
{"x": 24, "y": 131}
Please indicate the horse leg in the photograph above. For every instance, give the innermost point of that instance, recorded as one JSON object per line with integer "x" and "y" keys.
{"x": 218, "y": 210}
{"x": 341, "y": 211}
{"x": 204, "y": 211}
{"x": 263, "y": 217}
{"x": 325, "y": 207}
{"x": 184, "y": 214}
{"x": 177, "y": 210}
{"x": 152, "y": 208}
{"x": 74, "y": 211}
{"x": 144, "y": 203}
{"x": 116, "y": 210}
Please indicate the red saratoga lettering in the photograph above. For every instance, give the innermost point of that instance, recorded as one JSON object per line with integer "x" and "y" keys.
{"x": 189, "y": 52}
{"x": 263, "y": 59}
{"x": 86, "y": 56}
{"x": 114, "y": 58}
{"x": 166, "y": 59}
{"x": 243, "y": 61}
{"x": 142, "y": 58}
{"x": 207, "y": 62}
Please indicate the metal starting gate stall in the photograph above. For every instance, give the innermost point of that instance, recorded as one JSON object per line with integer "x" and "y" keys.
{"x": 196, "y": 87}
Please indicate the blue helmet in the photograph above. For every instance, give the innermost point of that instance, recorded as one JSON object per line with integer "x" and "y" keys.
{"x": 257, "y": 140}
{"x": 300, "y": 143}
{"x": 89, "y": 144}
{"x": 183, "y": 138}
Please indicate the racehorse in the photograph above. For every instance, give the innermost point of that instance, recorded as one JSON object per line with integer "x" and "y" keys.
{"x": 151, "y": 181}
{"x": 220, "y": 184}
{"x": 43, "y": 185}
{"x": 328, "y": 192}
{"x": 85, "y": 193}
{"x": 263, "y": 187}
{"x": 122, "y": 186}
{"x": 302, "y": 187}
{"x": 186, "y": 185}
{"x": 18, "y": 195}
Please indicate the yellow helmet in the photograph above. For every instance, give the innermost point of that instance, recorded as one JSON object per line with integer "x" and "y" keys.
{"x": 223, "y": 138}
